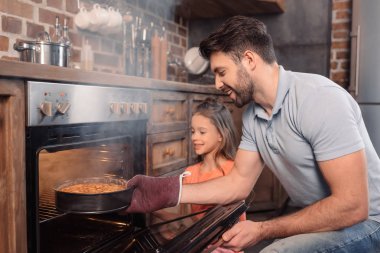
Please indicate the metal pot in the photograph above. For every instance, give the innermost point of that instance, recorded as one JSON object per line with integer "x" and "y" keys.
{"x": 43, "y": 52}
{"x": 93, "y": 203}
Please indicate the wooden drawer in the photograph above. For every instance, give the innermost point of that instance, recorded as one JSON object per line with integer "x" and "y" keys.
{"x": 167, "y": 152}
{"x": 169, "y": 112}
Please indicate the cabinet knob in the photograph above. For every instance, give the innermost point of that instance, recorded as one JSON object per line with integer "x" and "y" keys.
{"x": 169, "y": 152}
{"x": 170, "y": 111}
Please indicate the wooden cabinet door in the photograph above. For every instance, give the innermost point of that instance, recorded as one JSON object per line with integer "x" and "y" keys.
{"x": 12, "y": 167}
{"x": 169, "y": 112}
{"x": 167, "y": 152}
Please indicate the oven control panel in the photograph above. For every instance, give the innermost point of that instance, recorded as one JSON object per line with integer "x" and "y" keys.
{"x": 60, "y": 104}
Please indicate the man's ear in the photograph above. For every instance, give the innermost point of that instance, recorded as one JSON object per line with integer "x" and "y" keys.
{"x": 249, "y": 59}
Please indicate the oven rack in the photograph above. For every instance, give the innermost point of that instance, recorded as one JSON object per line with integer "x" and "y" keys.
{"x": 47, "y": 209}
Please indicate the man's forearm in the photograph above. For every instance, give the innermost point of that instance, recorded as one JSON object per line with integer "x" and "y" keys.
{"x": 326, "y": 215}
{"x": 217, "y": 191}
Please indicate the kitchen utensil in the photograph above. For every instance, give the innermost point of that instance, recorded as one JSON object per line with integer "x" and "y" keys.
{"x": 43, "y": 52}
{"x": 194, "y": 62}
{"x": 82, "y": 203}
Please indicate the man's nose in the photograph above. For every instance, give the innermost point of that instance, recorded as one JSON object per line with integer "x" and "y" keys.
{"x": 218, "y": 83}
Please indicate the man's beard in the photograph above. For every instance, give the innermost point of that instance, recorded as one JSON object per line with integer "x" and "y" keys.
{"x": 244, "y": 91}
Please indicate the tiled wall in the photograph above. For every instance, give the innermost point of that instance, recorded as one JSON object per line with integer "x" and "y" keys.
{"x": 23, "y": 19}
{"x": 340, "y": 42}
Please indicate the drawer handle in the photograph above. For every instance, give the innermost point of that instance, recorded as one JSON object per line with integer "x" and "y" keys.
{"x": 169, "y": 152}
{"x": 170, "y": 110}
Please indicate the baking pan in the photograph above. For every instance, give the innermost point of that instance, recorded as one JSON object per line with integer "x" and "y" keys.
{"x": 84, "y": 203}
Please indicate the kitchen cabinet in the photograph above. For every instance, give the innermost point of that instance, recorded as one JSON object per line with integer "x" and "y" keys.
{"x": 195, "y": 9}
{"x": 167, "y": 152}
{"x": 167, "y": 140}
{"x": 12, "y": 167}
{"x": 169, "y": 112}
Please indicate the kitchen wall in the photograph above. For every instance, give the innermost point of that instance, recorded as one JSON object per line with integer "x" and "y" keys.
{"x": 340, "y": 42}
{"x": 311, "y": 36}
{"x": 23, "y": 19}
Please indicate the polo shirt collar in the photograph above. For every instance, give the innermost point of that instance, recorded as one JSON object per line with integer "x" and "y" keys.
{"x": 282, "y": 91}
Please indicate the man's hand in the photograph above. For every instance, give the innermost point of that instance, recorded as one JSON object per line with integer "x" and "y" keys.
{"x": 242, "y": 235}
{"x": 153, "y": 193}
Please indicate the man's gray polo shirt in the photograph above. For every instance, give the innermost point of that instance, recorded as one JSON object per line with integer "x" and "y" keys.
{"x": 313, "y": 120}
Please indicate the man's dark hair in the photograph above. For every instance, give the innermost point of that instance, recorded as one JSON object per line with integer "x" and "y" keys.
{"x": 238, "y": 34}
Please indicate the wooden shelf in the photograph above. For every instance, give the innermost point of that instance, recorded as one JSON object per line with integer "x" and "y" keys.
{"x": 195, "y": 9}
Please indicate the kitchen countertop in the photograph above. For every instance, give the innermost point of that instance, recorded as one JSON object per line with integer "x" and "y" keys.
{"x": 40, "y": 72}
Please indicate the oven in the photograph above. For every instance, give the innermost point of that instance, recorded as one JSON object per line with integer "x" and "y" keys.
{"x": 78, "y": 131}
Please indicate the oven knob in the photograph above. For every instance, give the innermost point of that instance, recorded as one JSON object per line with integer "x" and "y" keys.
{"x": 125, "y": 108}
{"x": 63, "y": 107}
{"x": 135, "y": 108}
{"x": 46, "y": 108}
{"x": 143, "y": 108}
{"x": 115, "y": 108}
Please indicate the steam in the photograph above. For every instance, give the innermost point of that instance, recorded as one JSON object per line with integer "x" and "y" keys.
{"x": 129, "y": 50}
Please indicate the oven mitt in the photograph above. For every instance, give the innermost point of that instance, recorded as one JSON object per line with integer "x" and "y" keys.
{"x": 154, "y": 193}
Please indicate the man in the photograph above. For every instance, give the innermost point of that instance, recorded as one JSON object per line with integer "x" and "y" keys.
{"x": 308, "y": 130}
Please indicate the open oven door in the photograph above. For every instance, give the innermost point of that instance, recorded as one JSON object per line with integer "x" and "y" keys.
{"x": 193, "y": 236}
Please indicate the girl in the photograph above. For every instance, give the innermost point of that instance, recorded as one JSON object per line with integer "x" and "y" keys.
{"x": 214, "y": 140}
